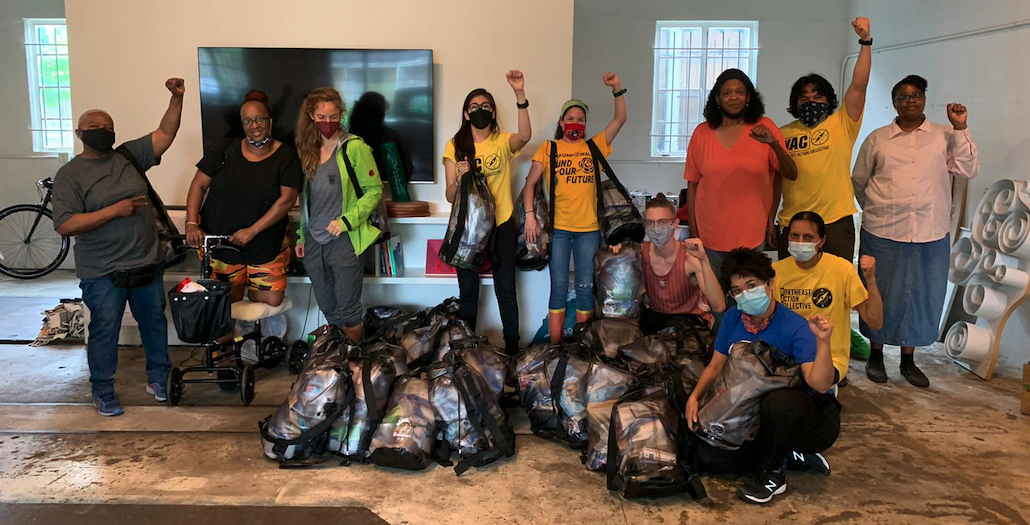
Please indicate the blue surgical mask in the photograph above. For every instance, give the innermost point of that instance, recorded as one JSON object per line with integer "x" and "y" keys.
{"x": 812, "y": 113}
{"x": 802, "y": 251}
{"x": 754, "y": 301}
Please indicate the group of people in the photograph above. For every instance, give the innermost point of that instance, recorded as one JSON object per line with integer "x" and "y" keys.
{"x": 739, "y": 165}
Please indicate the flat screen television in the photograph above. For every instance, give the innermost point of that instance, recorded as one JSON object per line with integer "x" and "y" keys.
{"x": 404, "y": 78}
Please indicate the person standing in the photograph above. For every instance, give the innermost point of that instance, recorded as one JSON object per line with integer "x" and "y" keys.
{"x": 100, "y": 198}
{"x": 577, "y": 230}
{"x": 733, "y": 160}
{"x": 821, "y": 142}
{"x": 335, "y": 227}
{"x": 479, "y": 142}
{"x": 902, "y": 180}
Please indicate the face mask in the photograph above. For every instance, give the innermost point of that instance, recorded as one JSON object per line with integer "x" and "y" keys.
{"x": 261, "y": 143}
{"x": 812, "y": 113}
{"x": 481, "y": 118}
{"x": 754, "y": 302}
{"x": 100, "y": 139}
{"x": 575, "y": 130}
{"x": 802, "y": 251}
{"x": 327, "y": 129}
{"x": 659, "y": 235}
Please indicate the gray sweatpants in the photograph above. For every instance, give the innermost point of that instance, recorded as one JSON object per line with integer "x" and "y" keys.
{"x": 336, "y": 278}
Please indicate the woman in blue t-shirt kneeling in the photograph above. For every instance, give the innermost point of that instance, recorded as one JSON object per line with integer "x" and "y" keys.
{"x": 795, "y": 424}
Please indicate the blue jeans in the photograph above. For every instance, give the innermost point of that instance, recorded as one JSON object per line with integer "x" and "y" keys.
{"x": 106, "y": 303}
{"x": 581, "y": 246}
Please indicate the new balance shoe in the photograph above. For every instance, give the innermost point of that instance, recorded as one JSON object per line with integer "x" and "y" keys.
{"x": 762, "y": 490}
{"x": 158, "y": 390}
{"x": 808, "y": 463}
{"x": 108, "y": 405}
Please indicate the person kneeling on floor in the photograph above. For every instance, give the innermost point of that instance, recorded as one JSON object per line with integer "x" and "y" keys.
{"x": 101, "y": 199}
{"x": 795, "y": 424}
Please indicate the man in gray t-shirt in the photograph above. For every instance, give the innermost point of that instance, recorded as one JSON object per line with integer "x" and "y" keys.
{"x": 100, "y": 198}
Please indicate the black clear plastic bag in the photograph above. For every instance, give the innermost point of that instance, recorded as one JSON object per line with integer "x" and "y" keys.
{"x": 607, "y": 381}
{"x": 533, "y": 256}
{"x": 643, "y": 446}
{"x": 404, "y": 438}
{"x": 619, "y": 282}
{"x": 607, "y": 336}
{"x": 471, "y": 224}
{"x": 620, "y": 219}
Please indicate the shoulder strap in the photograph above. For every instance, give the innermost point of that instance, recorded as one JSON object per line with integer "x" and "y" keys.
{"x": 554, "y": 182}
{"x": 350, "y": 169}
{"x": 233, "y": 144}
{"x": 601, "y": 163}
{"x": 155, "y": 199}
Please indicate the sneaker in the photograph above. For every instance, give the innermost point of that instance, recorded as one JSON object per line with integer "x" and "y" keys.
{"x": 766, "y": 485}
{"x": 108, "y": 405}
{"x": 875, "y": 371}
{"x": 915, "y": 375}
{"x": 158, "y": 390}
{"x": 808, "y": 463}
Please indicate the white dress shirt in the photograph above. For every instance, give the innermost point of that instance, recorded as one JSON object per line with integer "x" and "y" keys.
{"x": 903, "y": 179}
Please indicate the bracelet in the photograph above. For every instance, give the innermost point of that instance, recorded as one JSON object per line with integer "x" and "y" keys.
{"x": 191, "y": 223}
{"x": 865, "y": 42}
{"x": 523, "y": 105}
{"x": 618, "y": 94}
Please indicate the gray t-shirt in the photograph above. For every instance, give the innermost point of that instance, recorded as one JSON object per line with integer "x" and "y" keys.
{"x": 326, "y": 201}
{"x": 88, "y": 185}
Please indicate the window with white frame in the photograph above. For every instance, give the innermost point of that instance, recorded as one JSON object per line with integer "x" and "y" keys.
{"x": 46, "y": 54}
{"x": 688, "y": 57}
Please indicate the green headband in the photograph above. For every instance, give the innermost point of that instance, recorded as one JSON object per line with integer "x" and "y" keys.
{"x": 571, "y": 104}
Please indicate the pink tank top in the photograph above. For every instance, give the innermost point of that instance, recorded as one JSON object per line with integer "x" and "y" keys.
{"x": 673, "y": 293}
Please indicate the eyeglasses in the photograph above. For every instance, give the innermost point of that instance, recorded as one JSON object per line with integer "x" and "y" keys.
{"x": 660, "y": 222}
{"x": 475, "y": 107}
{"x": 259, "y": 120}
{"x": 736, "y": 292}
{"x": 913, "y": 96}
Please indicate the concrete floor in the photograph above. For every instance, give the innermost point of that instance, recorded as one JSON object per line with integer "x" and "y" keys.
{"x": 957, "y": 452}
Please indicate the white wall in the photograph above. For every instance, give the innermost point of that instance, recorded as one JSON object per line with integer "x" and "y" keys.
{"x": 986, "y": 73}
{"x": 122, "y": 51}
{"x": 20, "y": 167}
{"x": 796, "y": 37}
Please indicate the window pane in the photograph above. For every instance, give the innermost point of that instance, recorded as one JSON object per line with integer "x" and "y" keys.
{"x": 51, "y": 104}
{"x": 48, "y": 70}
{"x": 66, "y": 102}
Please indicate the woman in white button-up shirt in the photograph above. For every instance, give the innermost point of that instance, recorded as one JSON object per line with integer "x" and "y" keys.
{"x": 902, "y": 180}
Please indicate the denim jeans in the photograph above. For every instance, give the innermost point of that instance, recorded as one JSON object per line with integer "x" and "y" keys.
{"x": 106, "y": 303}
{"x": 581, "y": 246}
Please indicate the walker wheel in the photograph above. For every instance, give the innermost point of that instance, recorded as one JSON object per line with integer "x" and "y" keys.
{"x": 228, "y": 386}
{"x": 295, "y": 356}
{"x": 174, "y": 386}
{"x": 271, "y": 353}
{"x": 247, "y": 384}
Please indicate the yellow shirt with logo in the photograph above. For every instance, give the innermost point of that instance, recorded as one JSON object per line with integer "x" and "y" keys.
{"x": 831, "y": 288}
{"x": 823, "y": 158}
{"x": 493, "y": 158}
{"x": 575, "y": 195}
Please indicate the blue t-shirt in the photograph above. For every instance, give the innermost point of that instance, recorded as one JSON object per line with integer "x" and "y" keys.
{"x": 787, "y": 331}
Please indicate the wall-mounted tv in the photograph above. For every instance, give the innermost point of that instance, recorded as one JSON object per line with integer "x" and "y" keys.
{"x": 404, "y": 78}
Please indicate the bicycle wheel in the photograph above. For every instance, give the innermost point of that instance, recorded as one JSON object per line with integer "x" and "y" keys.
{"x": 29, "y": 246}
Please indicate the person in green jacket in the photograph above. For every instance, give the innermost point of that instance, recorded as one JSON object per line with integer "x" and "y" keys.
{"x": 331, "y": 207}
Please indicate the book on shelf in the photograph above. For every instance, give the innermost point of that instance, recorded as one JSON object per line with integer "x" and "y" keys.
{"x": 396, "y": 256}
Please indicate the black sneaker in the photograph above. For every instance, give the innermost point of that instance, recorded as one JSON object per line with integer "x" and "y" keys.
{"x": 875, "y": 371}
{"x": 763, "y": 488}
{"x": 808, "y": 463}
{"x": 915, "y": 375}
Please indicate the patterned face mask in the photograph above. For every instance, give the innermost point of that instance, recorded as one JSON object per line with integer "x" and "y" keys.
{"x": 812, "y": 113}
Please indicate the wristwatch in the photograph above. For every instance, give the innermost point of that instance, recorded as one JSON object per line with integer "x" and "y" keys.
{"x": 523, "y": 105}
{"x": 865, "y": 42}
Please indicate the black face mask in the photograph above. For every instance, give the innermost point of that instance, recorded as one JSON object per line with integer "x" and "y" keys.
{"x": 481, "y": 118}
{"x": 100, "y": 140}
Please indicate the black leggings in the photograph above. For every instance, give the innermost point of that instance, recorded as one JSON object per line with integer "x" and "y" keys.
{"x": 792, "y": 419}
{"x": 501, "y": 250}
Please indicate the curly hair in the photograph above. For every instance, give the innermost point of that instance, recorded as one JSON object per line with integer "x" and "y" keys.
{"x": 915, "y": 81}
{"x": 755, "y": 109}
{"x": 309, "y": 140}
{"x": 822, "y": 86}
{"x": 745, "y": 262}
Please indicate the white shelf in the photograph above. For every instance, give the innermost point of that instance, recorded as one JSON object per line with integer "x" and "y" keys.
{"x": 412, "y": 276}
{"x": 435, "y": 218}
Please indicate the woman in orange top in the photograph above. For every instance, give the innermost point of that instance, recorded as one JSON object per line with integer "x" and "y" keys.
{"x": 576, "y": 228}
{"x": 733, "y": 160}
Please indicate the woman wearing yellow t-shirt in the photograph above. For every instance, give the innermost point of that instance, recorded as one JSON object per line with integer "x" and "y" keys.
{"x": 480, "y": 140}
{"x": 812, "y": 282}
{"x": 577, "y": 233}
